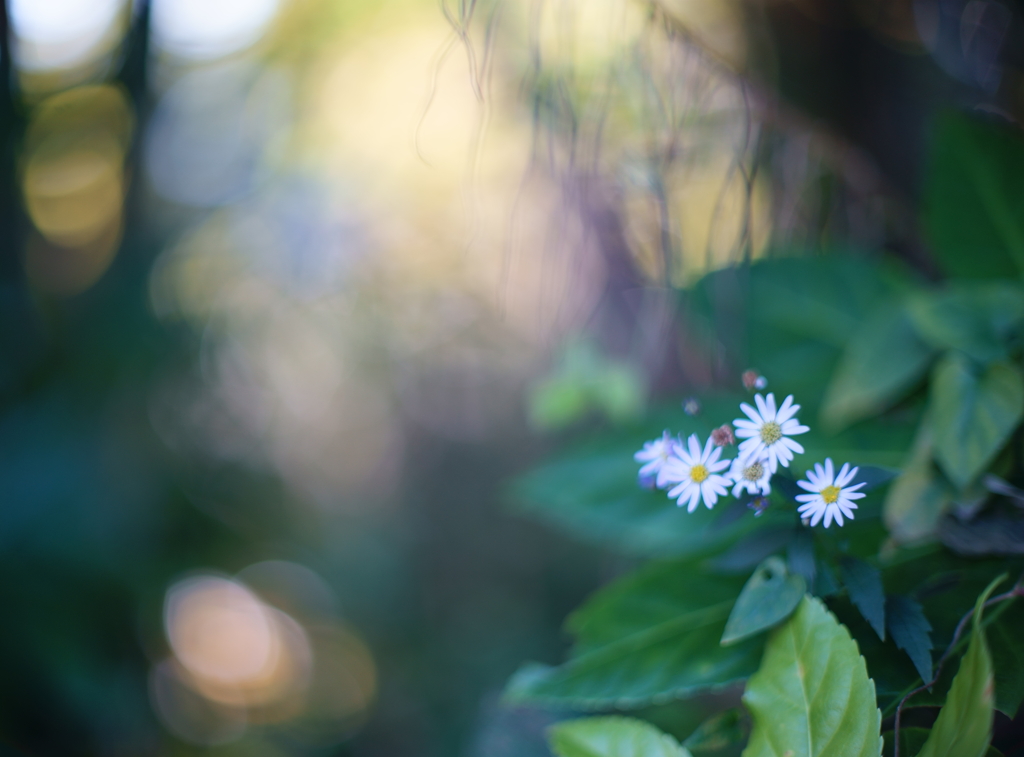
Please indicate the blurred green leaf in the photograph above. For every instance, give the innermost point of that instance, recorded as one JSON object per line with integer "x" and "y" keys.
{"x": 863, "y": 583}
{"x": 884, "y": 358}
{"x": 913, "y": 739}
{"x": 767, "y": 599}
{"x": 973, "y": 413}
{"x": 717, "y": 733}
{"x": 792, "y": 317}
{"x": 1004, "y": 639}
{"x": 920, "y": 496}
{"x": 974, "y": 199}
{"x": 986, "y": 534}
{"x": 584, "y": 382}
{"x": 612, "y": 737}
{"x": 812, "y": 695}
{"x": 981, "y": 320}
{"x": 964, "y": 725}
{"x": 911, "y": 632}
{"x": 649, "y": 637}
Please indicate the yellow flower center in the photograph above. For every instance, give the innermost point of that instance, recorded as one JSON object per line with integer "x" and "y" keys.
{"x": 771, "y": 432}
{"x": 830, "y": 494}
{"x": 754, "y": 472}
{"x": 698, "y": 474}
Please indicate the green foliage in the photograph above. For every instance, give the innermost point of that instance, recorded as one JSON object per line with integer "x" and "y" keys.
{"x": 911, "y": 632}
{"x": 650, "y": 637}
{"x": 921, "y": 386}
{"x": 812, "y": 695}
{"x": 767, "y": 599}
{"x": 964, "y": 725}
{"x": 884, "y": 358}
{"x": 612, "y": 737}
{"x": 913, "y": 739}
{"x": 586, "y": 382}
{"x": 974, "y": 197}
{"x": 973, "y": 413}
{"x": 864, "y": 585}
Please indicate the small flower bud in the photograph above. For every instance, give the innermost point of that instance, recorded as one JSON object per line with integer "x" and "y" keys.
{"x": 691, "y": 406}
{"x": 723, "y": 435}
{"x": 761, "y": 383}
{"x": 749, "y": 379}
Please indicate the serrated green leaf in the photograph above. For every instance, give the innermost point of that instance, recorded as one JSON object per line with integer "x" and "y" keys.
{"x": 974, "y": 196}
{"x": 812, "y": 696}
{"x": 612, "y": 737}
{"x": 863, "y": 583}
{"x": 911, "y": 632}
{"x": 882, "y": 361}
{"x": 649, "y": 637}
{"x": 767, "y": 599}
{"x": 973, "y": 413}
{"x": 964, "y": 725}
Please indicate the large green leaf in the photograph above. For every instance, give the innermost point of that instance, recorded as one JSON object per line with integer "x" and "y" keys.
{"x": 1004, "y": 639}
{"x": 882, "y": 361}
{"x": 964, "y": 725}
{"x": 767, "y": 599}
{"x": 650, "y": 637}
{"x": 812, "y": 695}
{"x": 791, "y": 317}
{"x": 974, "y": 199}
{"x": 973, "y": 413}
{"x": 912, "y": 739}
{"x": 612, "y": 737}
{"x": 982, "y": 320}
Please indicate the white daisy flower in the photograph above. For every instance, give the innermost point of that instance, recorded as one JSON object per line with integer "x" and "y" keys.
{"x": 768, "y": 430}
{"x": 752, "y": 474}
{"x": 829, "y": 494}
{"x": 654, "y": 455}
{"x": 695, "y": 474}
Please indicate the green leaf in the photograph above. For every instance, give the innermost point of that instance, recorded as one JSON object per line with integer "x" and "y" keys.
{"x": 649, "y": 637}
{"x": 911, "y": 631}
{"x": 882, "y": 361}
{"x": 863, "y": 583}
{"x": 964, "y": 725}
{"x": 912, "y": 739}
{"x": 973, "y": 413}
{"x": 812, "y": 695}
{"x": 1004, "y": 638}
{"x": 919, "y": 497}
{"x": 974, "y": 199}
{"x": 767, "y": 599}
{"x": 612, "y": 737}
{"x": 982, "y": 320}
{"x": 717, "y": 733}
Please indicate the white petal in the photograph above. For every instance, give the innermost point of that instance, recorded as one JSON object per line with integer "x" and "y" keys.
{"x": 786, "y": 410}
{"x": 808, "y": 486}
{"x": 762, "y": 408}
{"x": 854, "y": 495}
{"x": 817, "y": 518}
{"x": 744, "y": 423}
{"x": 837, "y": 513}
{"x": 694, "y": 500}
{"x": 830, "y": 472}
{"x": 751, "y": 413}
{"x": 806, "y": 497}
{"x": 844, "y": 475}
{"x": 855, "y": 487}
{"x": 821, "y": 475}
{"x": 791, "y": 445}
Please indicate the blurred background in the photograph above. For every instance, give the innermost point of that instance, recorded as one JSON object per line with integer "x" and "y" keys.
{"x": 290, "y": 288}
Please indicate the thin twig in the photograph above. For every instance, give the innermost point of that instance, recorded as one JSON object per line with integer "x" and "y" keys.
{"x": 1016, "y": 591}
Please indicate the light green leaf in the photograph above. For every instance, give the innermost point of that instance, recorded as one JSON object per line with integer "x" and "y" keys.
{"x": 812, "y": 696}
{"x": 974, "y": 198}
{"x": 767, "y": 599}
{"x": 920, "y": 496}
{"x": 612, "y": 737}
{"x": 973, "y": 414}
{"x": 912, "y": 739}
{"x": 718, "y": 732}
{"x": 650, "y": 637}
{"x": 964, "y": 725}
{"x": 881, "y": 362}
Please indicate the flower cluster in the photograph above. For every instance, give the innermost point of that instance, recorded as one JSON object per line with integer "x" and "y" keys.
{"x": 694, "y": 473}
